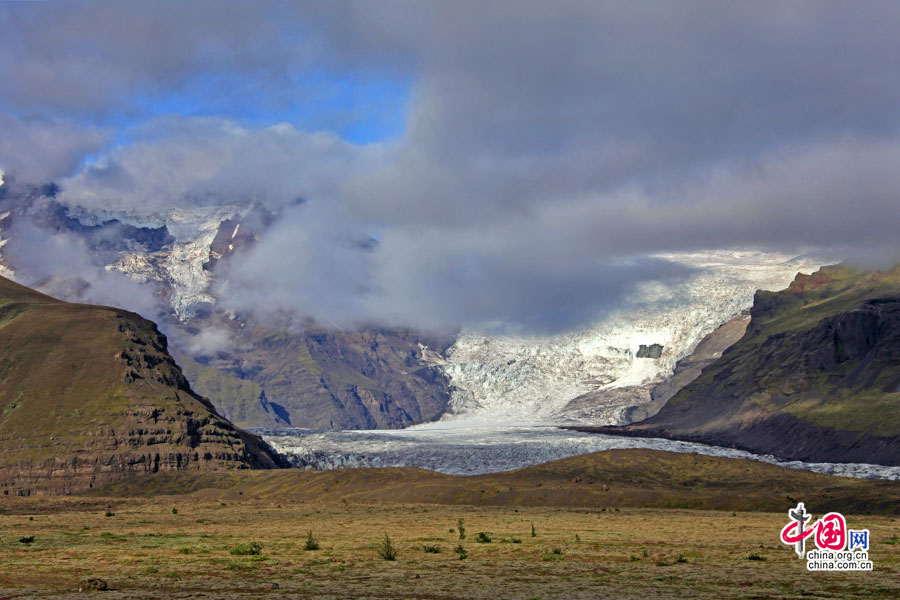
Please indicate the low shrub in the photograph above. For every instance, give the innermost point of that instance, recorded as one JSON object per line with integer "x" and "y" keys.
{"x": 461, "y": 552}
{"x": 312, "y": 543}
{"x": 386, "y": 549}
{"x": 251, "y": 549}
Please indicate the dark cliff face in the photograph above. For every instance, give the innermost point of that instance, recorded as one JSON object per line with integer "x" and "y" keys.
{"x": 89, "y": 395}
{"x": 306, "y": 375}
{"x": 323, "y": 379}
{"x": 815, "y": 377}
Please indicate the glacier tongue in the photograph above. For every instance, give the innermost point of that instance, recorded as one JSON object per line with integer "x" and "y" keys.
{"x": 531, "y": 380}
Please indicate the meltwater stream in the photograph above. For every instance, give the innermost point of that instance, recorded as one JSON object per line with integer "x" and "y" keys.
{"x": 474, "y": 450}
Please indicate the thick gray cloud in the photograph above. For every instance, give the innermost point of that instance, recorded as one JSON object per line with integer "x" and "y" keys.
{"x": 549, "y": 148}
{"x": 63, "y": 266}
{"x": 39, "y": 150}
{"x": 205, "y": 161}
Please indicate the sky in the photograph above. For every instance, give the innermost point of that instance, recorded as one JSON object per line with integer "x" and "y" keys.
{"x": 517, "y": 164}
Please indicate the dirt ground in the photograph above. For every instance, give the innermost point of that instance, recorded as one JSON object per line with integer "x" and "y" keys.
{"x": 178, "y": 547}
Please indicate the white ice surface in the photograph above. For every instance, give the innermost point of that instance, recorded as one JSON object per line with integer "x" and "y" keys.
{"x": 503, "y": 380}
{"x": 474, "y": 450}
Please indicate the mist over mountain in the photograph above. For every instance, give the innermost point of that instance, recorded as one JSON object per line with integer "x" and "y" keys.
{"x": 518, "y": 171}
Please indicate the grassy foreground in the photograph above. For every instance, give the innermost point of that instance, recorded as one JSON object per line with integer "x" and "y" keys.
{"x": 186, "y": 546}
{"x": 245, "y": 534}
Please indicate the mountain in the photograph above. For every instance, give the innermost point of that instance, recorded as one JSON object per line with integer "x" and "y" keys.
{"x": 90, "y": 394}
{"x": 816, "y": 376}
{"x": 321, "y": 378}
{"x": 268, "y": 373}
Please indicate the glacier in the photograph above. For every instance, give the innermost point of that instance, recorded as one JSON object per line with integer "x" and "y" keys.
{"x": 476, "y": 450}
{"x": 182, "y": 266}
{"x": 520, "y": 380}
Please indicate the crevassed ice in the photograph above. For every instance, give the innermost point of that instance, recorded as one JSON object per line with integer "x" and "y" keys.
{"x": 509, "y": 380}
{"x": 472, "y": 451}
{"x": 194, "y": 230}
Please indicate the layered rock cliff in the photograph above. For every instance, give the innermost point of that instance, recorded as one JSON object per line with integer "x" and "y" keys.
{"x": 90, "y": 394}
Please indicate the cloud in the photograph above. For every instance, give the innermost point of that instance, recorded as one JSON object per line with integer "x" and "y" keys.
{"x": 62, "y": 265}
{"x": 38, "y": 150}
{"x": 177, "y": 161}
{"x": 550, "y": 149}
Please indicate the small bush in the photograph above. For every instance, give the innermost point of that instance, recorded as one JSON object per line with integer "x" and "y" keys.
{"x": 644, "y": 553}
{"x": 516, "y": 540}
{"x": 461, "y": 552}
{"x": 557, "y": 550}
{"x": 461, "y": 528}
{"x": 94, "y": 584}
{"x": 186, "y": 550}
{"x": 431, "y": 549}
{"x": 533, "y": 532}
{"x": 109, "y": 513}
{"x": 551, "y": 558}
{"x": 756, "y": 556}
{"x": 251, "y": 549}
{"x": 483, "y": 538}
{"x": 312, "y": 543}
{"x": 681, "y": 559}
{"x": 386, "y": 549}
{"x": 26, "y": 539}
{"x": 174, "y": 511}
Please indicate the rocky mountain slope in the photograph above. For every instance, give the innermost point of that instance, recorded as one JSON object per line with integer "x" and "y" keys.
{"x": 321, "y": 378}
{"x": 816, "y": 376}
{"x": 89, "y": 394}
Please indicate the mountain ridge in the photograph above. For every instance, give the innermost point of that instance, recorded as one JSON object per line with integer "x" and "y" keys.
{"x": 89, "y": 394}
